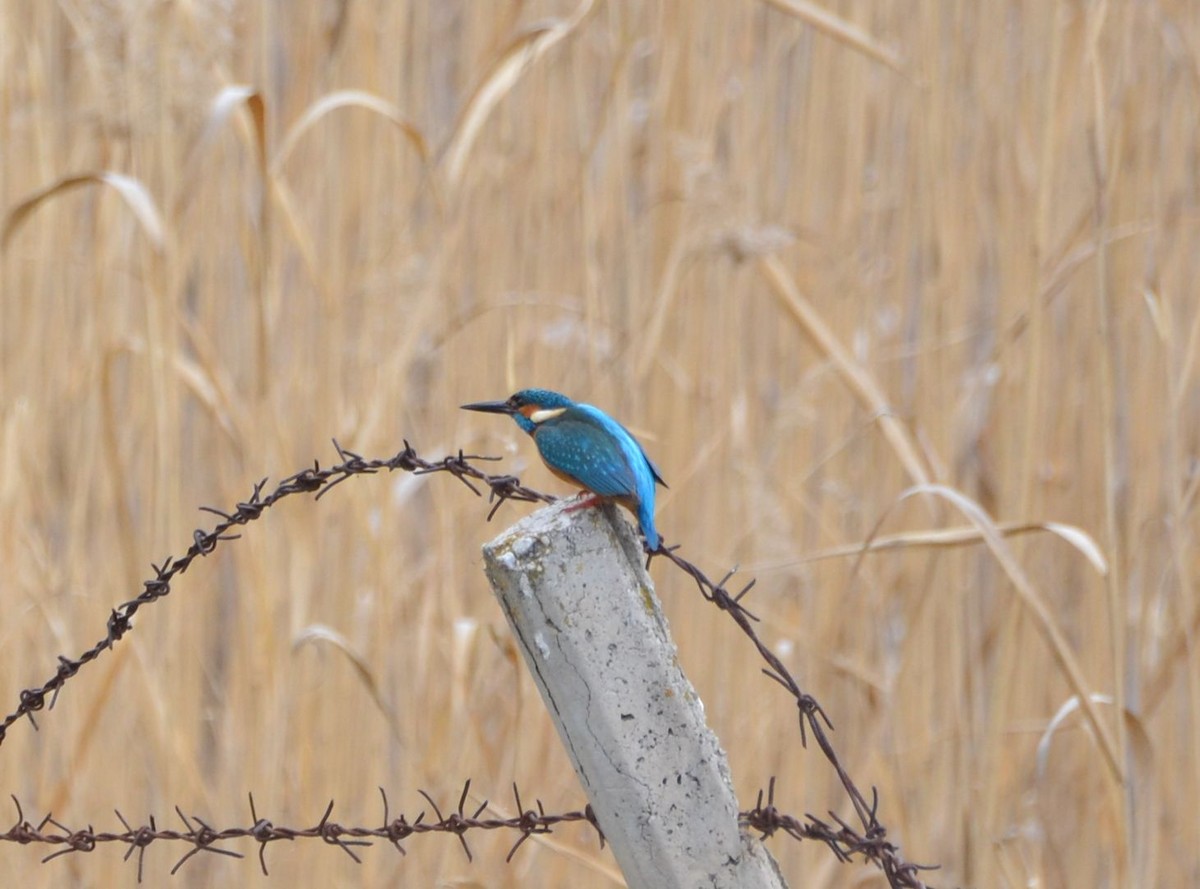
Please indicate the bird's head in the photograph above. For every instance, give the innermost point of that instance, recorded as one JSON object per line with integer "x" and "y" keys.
{"x": 528, "y": 407}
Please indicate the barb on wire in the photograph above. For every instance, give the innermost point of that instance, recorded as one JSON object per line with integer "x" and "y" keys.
{"x": 314, "y": 479}
{"x": 844, "y": 841}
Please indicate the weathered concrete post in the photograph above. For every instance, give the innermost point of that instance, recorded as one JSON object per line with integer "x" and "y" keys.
{"x": 592, "y": 632}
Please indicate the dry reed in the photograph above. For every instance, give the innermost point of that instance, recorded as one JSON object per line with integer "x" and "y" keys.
{"x": 822, "y": 256}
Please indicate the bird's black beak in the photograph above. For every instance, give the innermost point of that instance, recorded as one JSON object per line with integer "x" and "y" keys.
{"x": 490, "y": 407}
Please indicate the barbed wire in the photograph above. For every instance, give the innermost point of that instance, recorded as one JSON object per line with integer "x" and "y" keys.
{"x": 316, "y": 479}
{"x": 870, "y": 841}
{"x": 201, "y": 837}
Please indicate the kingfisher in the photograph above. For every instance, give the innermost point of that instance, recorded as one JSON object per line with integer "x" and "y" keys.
{"x": 587, "y": 448}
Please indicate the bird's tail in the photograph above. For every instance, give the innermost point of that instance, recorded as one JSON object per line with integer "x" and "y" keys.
{"x": 646, "y": 521}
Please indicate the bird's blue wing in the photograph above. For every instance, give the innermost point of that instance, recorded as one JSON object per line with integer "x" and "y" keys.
{"x": 587, "y": 445}
{"x": 589, "y": 453}
{"x": 633, "y": 447}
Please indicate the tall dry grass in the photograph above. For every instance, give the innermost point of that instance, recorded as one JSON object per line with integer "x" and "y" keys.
{"x": 865, "y": 277}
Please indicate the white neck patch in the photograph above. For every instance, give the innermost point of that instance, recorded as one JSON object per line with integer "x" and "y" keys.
{"x": 543, "y": 416}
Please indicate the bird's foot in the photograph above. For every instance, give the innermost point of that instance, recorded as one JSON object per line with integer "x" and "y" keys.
{"x": 586, "y": 499}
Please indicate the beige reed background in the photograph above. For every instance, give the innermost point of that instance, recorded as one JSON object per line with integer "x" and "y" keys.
{"x": 816, "y": 256}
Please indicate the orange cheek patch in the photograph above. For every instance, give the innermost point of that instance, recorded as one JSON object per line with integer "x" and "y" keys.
{"x": 527, "y": 410}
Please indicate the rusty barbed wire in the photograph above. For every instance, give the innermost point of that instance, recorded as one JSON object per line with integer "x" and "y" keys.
{"x": 316, "y": 479}
{"x": 872, "y": 842}
{"x": 845, "y": 841}
{"x": 200, "y": 837}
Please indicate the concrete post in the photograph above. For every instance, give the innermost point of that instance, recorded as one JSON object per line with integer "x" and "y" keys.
{"x": 593, "y": 635}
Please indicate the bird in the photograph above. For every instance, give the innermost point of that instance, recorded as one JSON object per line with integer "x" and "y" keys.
{"x": 585, "y": 447}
